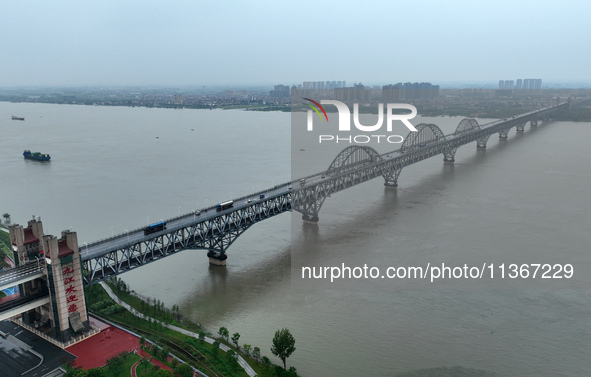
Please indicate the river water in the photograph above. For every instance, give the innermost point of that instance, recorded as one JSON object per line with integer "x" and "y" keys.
{"x": 520, "y": 201}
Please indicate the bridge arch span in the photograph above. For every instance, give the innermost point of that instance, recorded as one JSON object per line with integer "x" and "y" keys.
{"x": 426, "y": 134}
{"x": 466, "y": 125}
{"x": 353, "y": 156}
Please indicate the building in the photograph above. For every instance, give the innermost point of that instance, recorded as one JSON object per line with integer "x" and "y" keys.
{"x": 318, "y": 85}
{"x": 506, "y": 84}
{"x": 352, "y": 94}
{"x": 419, "y": 90}
{"x": 525, "y": 84}
{"x": 391, "y": 93}
{"x": 64, "y": 316}
{"x": 280, "y": 91}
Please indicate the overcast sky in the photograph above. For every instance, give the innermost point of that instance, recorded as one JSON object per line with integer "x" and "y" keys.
{"x": 189, "y": 42}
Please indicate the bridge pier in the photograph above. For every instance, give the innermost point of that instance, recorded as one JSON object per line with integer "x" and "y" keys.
{"x": 449, "y": 157}
{"x": 391, "y": 178}
{"x": 533, "y": 123}
{"x": 481, "y": 143}
{"x": 521, "y": 127}
{"x": 217, "y": 258}
{"x": 503, "y": 134}
{"x": 310, "y": 219}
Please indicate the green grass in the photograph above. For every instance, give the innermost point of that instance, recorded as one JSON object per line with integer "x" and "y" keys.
{"x": 163, "y": 336}
{"x": 196, "y": 353}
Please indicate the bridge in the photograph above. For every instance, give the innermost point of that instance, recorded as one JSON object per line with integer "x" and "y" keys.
{"x": 51, "y": 272}
{"x": 216, "y": 229}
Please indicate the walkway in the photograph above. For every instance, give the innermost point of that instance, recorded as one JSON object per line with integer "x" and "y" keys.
{"x": 153, "y": 361}
{"x": 223, "y": 347}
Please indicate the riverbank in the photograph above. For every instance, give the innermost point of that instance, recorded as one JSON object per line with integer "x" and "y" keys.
{"x": 189, "y": 341}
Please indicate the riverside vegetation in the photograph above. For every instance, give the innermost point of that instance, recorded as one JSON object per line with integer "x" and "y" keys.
{"x": 206, "y": 357}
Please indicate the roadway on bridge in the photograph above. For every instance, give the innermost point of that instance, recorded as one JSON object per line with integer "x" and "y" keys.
{"x": 20, "y": 274}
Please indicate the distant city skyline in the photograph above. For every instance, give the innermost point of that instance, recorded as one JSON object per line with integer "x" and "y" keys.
{"x": 189, "y": 43}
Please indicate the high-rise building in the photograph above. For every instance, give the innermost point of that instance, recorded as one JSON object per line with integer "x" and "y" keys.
{"x": 419, "y": 90}
{"x": 280, "y": 91}
{"x": 319, "y": 85}
{"x": 530, "y": 84}
{"x": 391, "y": 93}
{"x": 525, "y": 84}
{"x": 355, "y": 93}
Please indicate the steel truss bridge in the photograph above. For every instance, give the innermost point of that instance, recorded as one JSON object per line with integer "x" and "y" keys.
{"x": 215, "y": 230}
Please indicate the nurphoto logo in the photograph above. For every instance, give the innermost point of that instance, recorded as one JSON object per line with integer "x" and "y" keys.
{"x": 344, "y": 118}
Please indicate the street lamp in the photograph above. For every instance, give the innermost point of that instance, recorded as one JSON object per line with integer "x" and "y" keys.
{"x": 126, "y": 231}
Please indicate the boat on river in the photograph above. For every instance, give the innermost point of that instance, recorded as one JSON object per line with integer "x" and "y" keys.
{"x": 36, "y": 156}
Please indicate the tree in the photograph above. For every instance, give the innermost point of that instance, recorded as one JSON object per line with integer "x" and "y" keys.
{"x": 266, "y": 363}
{"x": 96, "y": 372}
{"x": 256, "y": 353}
{"x": 162, "y": 373}
{"x": 235, "y": 338}
{"x": 156, "y": 351}
{"x": 231, "y": 356}
{"x": 247, "y": 348}
{"x": 6, "y": 218}
{"x": 201, "y": 336}
{"x": 224, "y": 333}
{"x": 145, "y": 362}
{"x": 115, "y": 365}
{"x": 164, "y": 353}
{"x": 283, "y": 345}
{"x": 77, "y": 372}
{"x": 183, "y": 370}
{"x": 142, "y": 341}
{"x": 216, "y": 347}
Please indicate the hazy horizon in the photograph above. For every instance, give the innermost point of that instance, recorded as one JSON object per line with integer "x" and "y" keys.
{"x": 187, "y": 43}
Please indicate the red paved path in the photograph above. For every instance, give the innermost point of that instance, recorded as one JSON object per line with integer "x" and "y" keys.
{"x": 96, "y": 350}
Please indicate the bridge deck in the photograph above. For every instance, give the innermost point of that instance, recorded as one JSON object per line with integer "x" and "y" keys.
{"x": 20, "y": 274}
{"x": 22, "y": 304}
